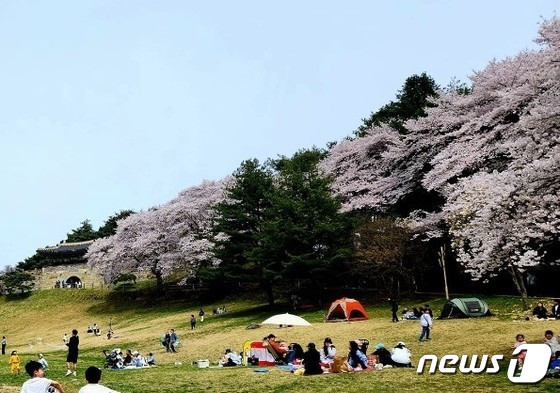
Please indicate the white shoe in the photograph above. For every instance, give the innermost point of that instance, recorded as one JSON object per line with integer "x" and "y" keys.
{"x": 68, "y": 373}
{"x": 74, "y": 373}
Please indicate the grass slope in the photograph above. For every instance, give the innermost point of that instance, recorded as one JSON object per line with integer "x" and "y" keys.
{"x": 35, "y": 324}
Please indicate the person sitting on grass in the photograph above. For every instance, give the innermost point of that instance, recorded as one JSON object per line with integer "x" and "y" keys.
{"x": 400, "y": 355}
{"x": 151, "y": 359}
{"x": 552, "y": 341}
{"x": 43, "y": 361}
{"x": 312, "y": 361}
{"x": 37, "y": 382}
{"x": 128, "y": 358}
{"x": 230, "y": 359}
{"x": 357, "y": 360}
{"x": 93, "y": 375}
{"x": 278, "y": 349}
{"x": 137, "y": 360}
{"x": 555, "y": 363}
{"x": 328, "y": 352}
{"x": 539, "y": 312}
{"x": 407, "y": 314}
{"x": 383, "y": 355}
{"x": 520, "y": 340}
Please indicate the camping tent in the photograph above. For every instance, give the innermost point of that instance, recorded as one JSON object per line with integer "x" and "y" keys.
{"x": 465, "y": 308}
{"x": 346, "y": 309}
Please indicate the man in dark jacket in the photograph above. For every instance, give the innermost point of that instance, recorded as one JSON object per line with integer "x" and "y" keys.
{"x": 394, "y": 309}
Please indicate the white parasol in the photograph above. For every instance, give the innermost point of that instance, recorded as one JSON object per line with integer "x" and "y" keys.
{"x": 286, "y": 319}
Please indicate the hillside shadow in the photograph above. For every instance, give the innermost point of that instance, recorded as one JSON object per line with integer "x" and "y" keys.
{"x": 149, "y": 300}
{"x": 17, "y": 296}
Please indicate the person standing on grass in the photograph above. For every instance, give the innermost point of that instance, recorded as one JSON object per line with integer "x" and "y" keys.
{"x": 193, "y": 322}
{"x": 174, "y": 341}
{"x": 394, "y": 309}
{"x": 556, "y": 309}
{"x": 426, "y": 323}
{"x": 72, "y": 357}
{"x": 4, "y": 343}
{"x": 201, "y": 315}
{"x": 38, "y": 383}
{"x": 167, "y": 341}
{"x": 15, "y": 362}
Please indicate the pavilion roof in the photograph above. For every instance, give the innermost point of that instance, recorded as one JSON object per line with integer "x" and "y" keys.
{"x": 67, "y": 247}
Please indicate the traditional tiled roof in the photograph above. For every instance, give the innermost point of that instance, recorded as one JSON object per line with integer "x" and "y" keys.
{"x": 67, "y": 248}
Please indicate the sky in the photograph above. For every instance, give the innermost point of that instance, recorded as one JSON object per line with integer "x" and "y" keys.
{"x": 113, "y": 105}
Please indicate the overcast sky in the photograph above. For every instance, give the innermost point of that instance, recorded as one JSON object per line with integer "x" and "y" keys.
{"x": 112, "y": 105}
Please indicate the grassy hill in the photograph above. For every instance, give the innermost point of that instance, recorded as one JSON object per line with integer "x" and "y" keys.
{"x": 36, "y": 323}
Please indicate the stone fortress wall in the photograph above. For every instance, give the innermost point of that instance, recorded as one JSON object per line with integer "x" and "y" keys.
{"x": 46, "y": 277}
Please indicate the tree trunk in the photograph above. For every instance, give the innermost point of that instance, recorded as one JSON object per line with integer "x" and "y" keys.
{"x": 517, "y": 277}
{"x": 159, "y": 278}
{"x": 269, "y": 294}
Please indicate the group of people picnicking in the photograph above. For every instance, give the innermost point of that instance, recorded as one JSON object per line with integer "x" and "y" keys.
{"x": 408, "y": 314}
{"x": 116, "y": 359}
{"x": 550, "y": 339}
{"x": 326, "y": 360}
{"x": 541, "y": 313}
{"x": 94, "y": 329}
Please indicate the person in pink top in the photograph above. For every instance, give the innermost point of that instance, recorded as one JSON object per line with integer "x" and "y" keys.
{"x": 520, "y": 340}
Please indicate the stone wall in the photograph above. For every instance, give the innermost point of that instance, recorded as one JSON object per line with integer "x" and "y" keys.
{"x": 46, "y": 277}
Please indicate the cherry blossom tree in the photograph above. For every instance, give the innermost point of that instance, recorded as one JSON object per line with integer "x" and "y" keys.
{"x": 171, "y": 237}
{"x": 491, "y": 154}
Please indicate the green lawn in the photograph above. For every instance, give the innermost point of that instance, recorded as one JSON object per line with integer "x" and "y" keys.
{"x": 36, "y": 324}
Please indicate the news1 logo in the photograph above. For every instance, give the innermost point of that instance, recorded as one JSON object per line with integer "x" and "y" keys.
{"x": 535, "y": 364}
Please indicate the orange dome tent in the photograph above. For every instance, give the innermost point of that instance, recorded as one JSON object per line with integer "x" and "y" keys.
{"x": 346, "y": 309}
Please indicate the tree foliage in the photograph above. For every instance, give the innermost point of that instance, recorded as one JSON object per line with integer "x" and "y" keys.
{"x": 17, "y": 280}
{"x": 411, "y": 102}
{"x": 109, "y": 227}
{"x": 304, "y": 229}
{"x": 238, "y": 222}
{"x": 279, "y": 221}
{"x": 83, "y": 233}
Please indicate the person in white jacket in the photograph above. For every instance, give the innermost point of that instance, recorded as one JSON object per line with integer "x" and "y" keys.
{"x": 426, "y": 323}
{"x": 93, "y": 375}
